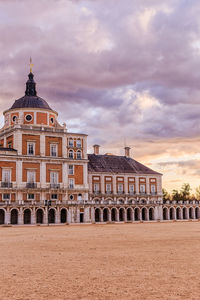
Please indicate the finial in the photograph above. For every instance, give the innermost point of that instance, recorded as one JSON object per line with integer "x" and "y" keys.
{"x": 31, "y": 65}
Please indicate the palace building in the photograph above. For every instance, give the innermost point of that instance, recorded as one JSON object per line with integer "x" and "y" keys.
{"x": 47, "y": 176}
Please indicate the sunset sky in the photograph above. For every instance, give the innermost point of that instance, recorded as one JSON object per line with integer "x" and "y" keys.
{"x": 122, "y": 71}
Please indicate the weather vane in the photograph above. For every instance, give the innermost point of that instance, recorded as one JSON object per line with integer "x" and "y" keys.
{"x": 31, "y": 65}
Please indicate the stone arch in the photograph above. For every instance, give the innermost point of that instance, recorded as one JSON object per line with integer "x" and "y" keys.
{"x": 63, "y": 215}
{"x": 2, "y": 216}
{"x": 52, "y": 216}
{"x": 39, "y": 216}
{"x": 121, "y": 214}
{"x": 129, "y": 214}
{"x": 151, "y": 214}
{"x": 165, "y": 213}
{"x": 185, "y": 213}
{"x": 178, "y": 213}
{"x": 27, "y": 216}
{"x": 97, "y": 215}
{"x": 137, "y": 214}
{"x": 191, "y": 213}
{"x": 14, "y": 216}
{"x": 114, "y": 214}
{"x": 144, "y": 214}
{"x": 172, "y": 213}
{"x": 197, "y": 213}
{"x": 105, "y": 214}
{"x": 143, "y": 201}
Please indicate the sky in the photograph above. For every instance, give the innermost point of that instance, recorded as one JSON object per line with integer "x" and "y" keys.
{"x": 125, "y": 72}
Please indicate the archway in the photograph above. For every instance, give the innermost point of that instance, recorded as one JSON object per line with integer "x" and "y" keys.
{"x": 151, "y": 214}
{"x": 197, "y": 213}
{"x": 2, "y": 216}
{"x": 191, "y": 215}
{"x": 114, "y": 214}
{"x": 178, "y": 213}
{"x": 129, "y": 214}
{"x": 137, "y": 214}
{"x": 172, "y": 213}
{"x": 165, "y": 213}
{"x": 185, "y": 215}
{"x": 105, "y": 215}
{"x": 27, "y": 216}
{"x": 63, "y": 215}
{"x": 14, "y": 216}
{"x": 51, "y": 216}
{"x": 97, "y": 215}
{"x": 144, "y": 214}
{"x": 39, "y": 216}
{"x": 121, "y": 214}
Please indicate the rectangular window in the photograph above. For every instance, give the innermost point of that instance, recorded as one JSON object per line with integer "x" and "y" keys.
{"x": 108, "y": 188}
{"x": 131, "y": 188}
{"x": 96, "y": 187}
{"x": 153, "y": 189}
{"x": 6, "y": 196}
{"x": 71, "y": 183}
{"x": 6, "y": 175}
{"x": 30, "y": 176}
{"x": 71, "y": 170}
{"x": 53, "y": 149}
{"x": 78, "y": 143}
{"x": 142, "y": 188}
{"x": 54, "y": 177}
{"x": 31, "y": 149}
{"x": 31, "y": 196}
{"x": 71, "y": 154}
{"x": 71, "y": 143}
{"x": 9, "y": 145}
{"x": 120, "y": 187}
{"x": 54, "y": 196}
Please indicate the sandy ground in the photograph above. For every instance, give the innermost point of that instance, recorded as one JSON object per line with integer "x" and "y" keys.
{"x": 119, "y": 261}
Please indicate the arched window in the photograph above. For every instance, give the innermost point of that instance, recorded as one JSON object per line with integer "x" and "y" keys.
{"x": 79, "y": 155}
{"x": 71, "y": 154}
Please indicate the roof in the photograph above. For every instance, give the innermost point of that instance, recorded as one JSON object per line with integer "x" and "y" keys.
{"x": 30, "y": 99}
{"x": 117, "y": 164}
{"x": 7, "y": 149}
{"x": 31, "y": 102}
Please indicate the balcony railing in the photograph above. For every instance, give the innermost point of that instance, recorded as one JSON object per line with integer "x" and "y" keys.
{"x": 6, "y": 185}
{"x": 120, "y": 192}
{"x": 108, "y": 192}
{"x": 54, "y": 185}
{"x": 71, "y": 186}
{"x": 31, "y": 185}
{"x": 96, "y": 192}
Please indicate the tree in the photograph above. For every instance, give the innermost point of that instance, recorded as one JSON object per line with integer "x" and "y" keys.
{"x": 185, "y": 191}
{"x": 197, "y": 192}
{"x": 166, "y": 195}
{"x": 176, "y": 195}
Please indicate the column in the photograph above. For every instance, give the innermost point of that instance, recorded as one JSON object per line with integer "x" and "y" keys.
{"x": 64, "y": 146}
{"x": 42, "y": 145}
{"x": 102, "y": 185}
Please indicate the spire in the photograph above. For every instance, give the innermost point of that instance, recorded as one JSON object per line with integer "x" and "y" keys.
{"x": 30, "y": 84}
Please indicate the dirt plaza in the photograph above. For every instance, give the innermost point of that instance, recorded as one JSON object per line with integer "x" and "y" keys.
{"x": 113, "y": 261}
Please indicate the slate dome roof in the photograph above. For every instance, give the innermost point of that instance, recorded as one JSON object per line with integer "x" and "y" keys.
{"x": 30, "y": 99}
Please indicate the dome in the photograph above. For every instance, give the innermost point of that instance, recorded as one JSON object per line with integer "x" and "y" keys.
{"x": 30, "y": 99}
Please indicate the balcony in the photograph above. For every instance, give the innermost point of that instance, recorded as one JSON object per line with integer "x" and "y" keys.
{"x": 54, "y": 186}
{"x": 108, "y": 192}
{"x": 153, "y": 193}
{"x": 120, "y": 192}
{"x": 96, "y": 192}
{"x": 7, "y": 185}
{"x": 31, "y": 185}
{"x": 132, "y": 193}
{"x": 71, "y": 186}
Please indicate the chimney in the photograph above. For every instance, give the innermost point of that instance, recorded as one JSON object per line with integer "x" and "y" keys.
{"x": 96, "y": 149}
{"x": 127, "y": 151}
